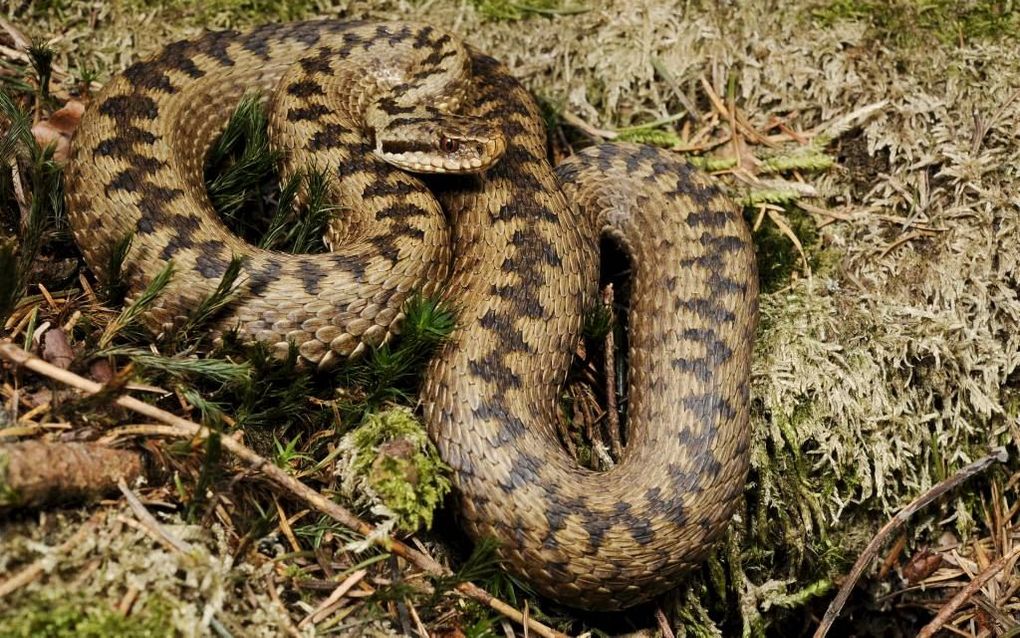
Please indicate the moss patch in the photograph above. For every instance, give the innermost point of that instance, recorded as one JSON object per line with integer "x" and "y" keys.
{"x": 55, "y": 615}
{"x": 393, "y": 462}
{"x": 907, "y": 22}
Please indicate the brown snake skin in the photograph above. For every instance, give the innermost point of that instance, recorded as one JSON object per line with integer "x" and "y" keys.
{"x": 518, "y": 261}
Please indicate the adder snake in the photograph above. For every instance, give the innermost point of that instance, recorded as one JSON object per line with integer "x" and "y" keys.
{"x": 518, "y": 257}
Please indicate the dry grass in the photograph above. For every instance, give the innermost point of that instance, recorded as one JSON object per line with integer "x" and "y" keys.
{"x": 892, "y": 364}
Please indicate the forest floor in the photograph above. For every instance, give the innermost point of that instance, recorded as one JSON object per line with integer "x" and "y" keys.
{"x": 875, "y": 148}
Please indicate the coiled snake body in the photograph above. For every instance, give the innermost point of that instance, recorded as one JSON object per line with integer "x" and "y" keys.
{"x": 519, "y": 262}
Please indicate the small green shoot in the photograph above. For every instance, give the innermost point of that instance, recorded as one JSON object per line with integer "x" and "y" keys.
{"x": 114, "y": 285}
{"x": 134, "y": 310}
{"x": 652, "y": 132}
{"x": 287, "y": 453}
{"x": 281, "y": 224}
{"x": 43, "y": 214}
{"x": 306, "y": 235}
{"x": 480, "y": 567}
{"x": 10, "y": 291}
{"x": 598, "y": 321}
{"x": 239, "y": 163}
{"x": 40, "y": 56}
{"x": 211, "y": 469}
{"x": 219, "y": 371}
{"x": 387, "y": 372}
{"x": 224, "y": 294}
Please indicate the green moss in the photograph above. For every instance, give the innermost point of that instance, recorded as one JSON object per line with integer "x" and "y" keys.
{"x": 912, "y": 22}
{"x": 232, "y": 12}
{"x": 778, "y": 257}
{"x": 400, "y": 465}
{"x": 509, "y": 10}
{"x": 60, "y": 614}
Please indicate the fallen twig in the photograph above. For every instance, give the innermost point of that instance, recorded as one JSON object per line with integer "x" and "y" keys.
{"x": 149, "y": 521}
{"x": 39, "y": 472}
{"x": 964, "y": 594}
{"x": 326, "y": 607}
{"x": 183, "y": 428}
{"x": 890, "y": 528}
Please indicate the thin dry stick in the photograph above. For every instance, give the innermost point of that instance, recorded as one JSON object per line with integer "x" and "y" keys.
{"x": 288, "y": 624}
{"x": 321, "y": 611}
{"x": 964, "y": 594}
{"x": 917, "y": 234}
{"x": 660, "y": 617}
{"x": 588, "y": 129}
{"x": 149, "y": 521}
{"x": 779, "y": 221}
{"x": 893, "y": 526}
{"x": 149, "y": 524}
{"x": 183, "y": 428}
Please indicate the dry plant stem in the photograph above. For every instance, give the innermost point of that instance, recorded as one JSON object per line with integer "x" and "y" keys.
{"x": 780, "y": 222}
{"x": 323, "y": 610}
{"x": 34, "y": 570}
{"x": 149, "y": 521}
{"x": 660, "y": 617}
{"x": 946, "y": 613}
{"x": 893, "y": 526}
{"x": 588, "y": 129}
{"x": 288, "y": 624}
{"x": 179, "y": 427}
{"x": 612, "y": 415}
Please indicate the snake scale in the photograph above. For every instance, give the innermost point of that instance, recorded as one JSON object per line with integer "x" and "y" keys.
{"x": 510, "y": 241}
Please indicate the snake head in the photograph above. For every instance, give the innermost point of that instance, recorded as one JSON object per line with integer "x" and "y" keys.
{"x": 440, "y": 143}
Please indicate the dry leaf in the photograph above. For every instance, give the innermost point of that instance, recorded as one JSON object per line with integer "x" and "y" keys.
{"x": 56, "y": 349}
{"x": 101, "y": 371}
{"x": 921, "y": 565}
{"x": 59, "y": 128}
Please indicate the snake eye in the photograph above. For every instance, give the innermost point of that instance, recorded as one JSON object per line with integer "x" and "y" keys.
{"x": 448, "y": 145}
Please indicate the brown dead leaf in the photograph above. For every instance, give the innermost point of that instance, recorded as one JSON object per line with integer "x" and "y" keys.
{"x": 56, "y": 349}
{"x": 66, "y": 119}
{"x": 58, "y": 129}
{"x": 922, "y": 564}
{"x": 101, "y": 371}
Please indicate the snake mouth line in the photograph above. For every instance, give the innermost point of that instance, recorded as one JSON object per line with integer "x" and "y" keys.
{"x": 423, "y": 159}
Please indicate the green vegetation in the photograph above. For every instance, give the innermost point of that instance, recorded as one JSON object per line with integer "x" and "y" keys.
{"x": 910, "y": 22}
{"x": 65, "y": 615}
{"x": 393, "y": 460}
{"x": 243, "y": 185}
{"x": 43, "y": 221}
{"x": 510, "y": 10}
